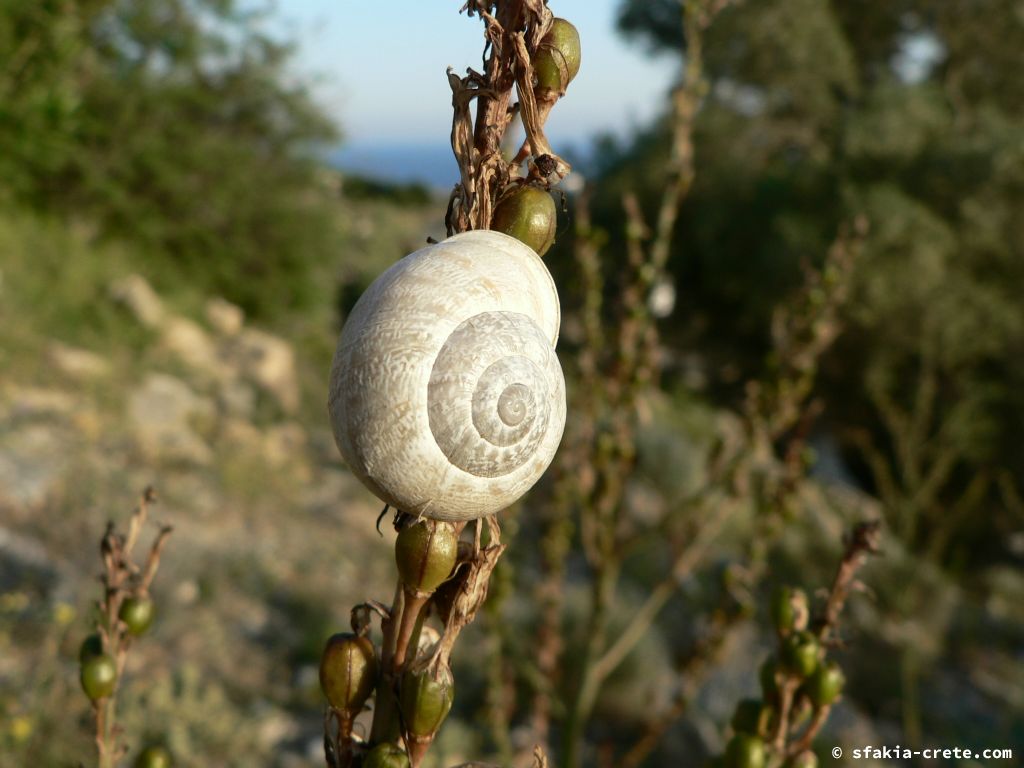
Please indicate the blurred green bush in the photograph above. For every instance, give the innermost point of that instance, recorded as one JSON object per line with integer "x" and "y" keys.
{"x": 907, "y": 113}
{"x": 170, "y": 123}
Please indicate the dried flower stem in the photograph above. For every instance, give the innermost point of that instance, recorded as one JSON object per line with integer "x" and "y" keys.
{"x": 860, "y": 543}
{"x": 631, "y": 371}
{"x": 512, "y": 29}
{"x": 121, "y": 578}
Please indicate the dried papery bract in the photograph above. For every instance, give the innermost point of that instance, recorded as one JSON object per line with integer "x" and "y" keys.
{"x": 514, "y": 31}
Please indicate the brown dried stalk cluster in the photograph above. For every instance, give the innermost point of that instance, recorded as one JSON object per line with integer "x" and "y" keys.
{"x": 777, "y": 419}
{"x": 619, "y": 363}
{"x": 861, "y": 543}
{"x": 410, "y": 643}
{"x": 514, "y": 30}
{"x": 122, "y": 579}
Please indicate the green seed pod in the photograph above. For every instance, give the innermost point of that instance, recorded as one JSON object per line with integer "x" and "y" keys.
{"x": 137, "y": 613}
{"x": 745, "y": 751}
{"x": 425, "y": 553}
{"x": 386, "y": 756}
{"x": 558, "y": 57}
{"x": 91, "y": 646}
{"x": 800, "y": 653}
{"x": 753, "y": 716}
{"x": 528, "y": 214}
{"x": 425, "y": 702}
{"x": 348, "y": 672}
{"x": 789, "y": 610}
{"x": 769, "y": 685}
{"x": 153, "y": 757}
{"x": 805, "y": 759}
{"x": 747, "y": 716}
{"x": 825, "y": 685}
{"x": 99, "y": 676}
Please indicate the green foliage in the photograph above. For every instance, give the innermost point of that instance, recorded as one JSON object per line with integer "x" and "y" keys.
{"x": 363, "y": 188}
{"x": 171, "y": 123}
{"x": 906, "y": 113}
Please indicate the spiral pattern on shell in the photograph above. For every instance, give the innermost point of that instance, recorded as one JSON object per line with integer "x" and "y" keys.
{"x": 446, "y": 397}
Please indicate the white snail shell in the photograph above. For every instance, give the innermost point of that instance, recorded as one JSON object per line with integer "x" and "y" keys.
{"x": 446, "y": 396}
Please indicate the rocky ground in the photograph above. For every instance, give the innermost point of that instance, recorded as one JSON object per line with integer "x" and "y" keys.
{"x": 273, "y": 539}
{"x": 260, "y": 504}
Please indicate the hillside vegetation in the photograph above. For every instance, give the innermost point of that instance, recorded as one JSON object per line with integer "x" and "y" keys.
{"x": 175, "y": 266}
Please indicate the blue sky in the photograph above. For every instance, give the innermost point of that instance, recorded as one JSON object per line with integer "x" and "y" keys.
{"x": 360, "y": 53}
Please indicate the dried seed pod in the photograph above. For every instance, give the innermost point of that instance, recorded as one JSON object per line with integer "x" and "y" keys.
{"x": 385, "y": 756}
{"x": 825, "y": 685}
{"x": 348, "y": 672}
{"x": 446, "y": 398}
{"x": 425, "y": 553}
{"x": 528, "y": 214}
{"x": 558, "y": 57}
{"x": 137, "y": 613}
{"x": 99, "y": 676}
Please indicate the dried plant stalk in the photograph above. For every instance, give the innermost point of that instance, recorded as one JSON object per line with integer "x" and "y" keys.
{"x": 121, "y": 578}
{"x": 512, "y": 29}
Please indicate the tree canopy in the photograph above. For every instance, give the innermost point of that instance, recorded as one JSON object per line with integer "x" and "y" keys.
{"x": 172, "y": 123}
{"x": 907, "y": 113}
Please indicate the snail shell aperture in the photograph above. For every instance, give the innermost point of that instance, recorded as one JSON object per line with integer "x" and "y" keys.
{"x": 446, "y": 396}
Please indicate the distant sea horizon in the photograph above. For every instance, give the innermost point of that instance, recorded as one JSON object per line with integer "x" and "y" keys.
{"x": 404, "y": 162}
{"x": 431, "y": 164}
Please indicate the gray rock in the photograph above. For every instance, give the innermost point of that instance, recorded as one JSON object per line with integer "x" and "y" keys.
{"x": 236, "y": 398}
{"x": 187, "y": 341}
{"x": 25, "y": 563}
{"x": 77, "y": 363}
{"x": 140, "y": 299}
{"x": 240, "y": 435}
{"x": 269, "y": 362}
{"x": 284, "y": 443}
{"x": 32, "y": 461}
{"x": 224, "y": 317}
{"x": 163, "y": 411}
{"x": 28, "y": 403}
